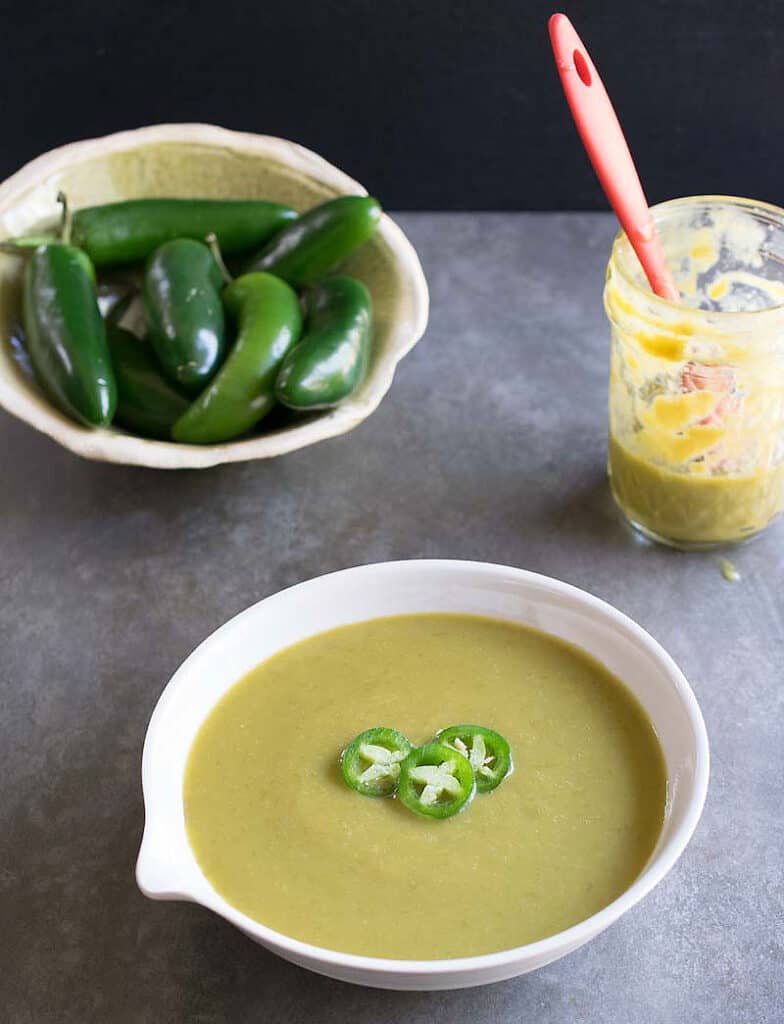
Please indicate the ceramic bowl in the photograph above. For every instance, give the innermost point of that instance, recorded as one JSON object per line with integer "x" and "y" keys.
{"x": 202, "y": 160}
{"x": 167, "y": 868}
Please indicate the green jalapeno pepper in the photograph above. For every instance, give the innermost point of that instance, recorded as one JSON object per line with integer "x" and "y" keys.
{"x": 330, "y": 360}
{"x": 182, "y": 299}
{"x": 269, "y": 321}
{"x": 130, "y": 231}
{"x": 487, "y": 751}
{"x": 66, "y": 337}
{"x": 64, "y": 333}
{"x": 370, "y": 764}
{"x": 147, "y": 404}
{"x": 304, "y": 251}
{"x": 436, "y": 781}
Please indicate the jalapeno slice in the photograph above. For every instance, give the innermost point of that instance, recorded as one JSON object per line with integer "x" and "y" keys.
{"x": 436, "y": 781}
{"x": 487, "y": 751}
{"x": 371, "y": 762}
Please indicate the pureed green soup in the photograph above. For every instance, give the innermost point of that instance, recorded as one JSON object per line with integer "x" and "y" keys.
{"x": 282, "y": 838}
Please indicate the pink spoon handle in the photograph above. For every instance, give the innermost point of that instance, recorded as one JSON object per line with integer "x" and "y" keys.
{"x": 608, "y": 151}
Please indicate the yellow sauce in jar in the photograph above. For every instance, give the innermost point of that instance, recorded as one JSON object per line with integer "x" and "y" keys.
{"x": 691, "y": 508}
{"x": 697, "y": 389}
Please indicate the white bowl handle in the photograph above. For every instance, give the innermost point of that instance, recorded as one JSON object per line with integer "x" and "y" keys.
{"x": 157, "y": 875}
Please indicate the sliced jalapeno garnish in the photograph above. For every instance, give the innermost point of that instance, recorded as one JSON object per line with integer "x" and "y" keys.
{"x": 436, "y": 780}
{"x": 487, "y": 751}
{"x": 371, "y": 762}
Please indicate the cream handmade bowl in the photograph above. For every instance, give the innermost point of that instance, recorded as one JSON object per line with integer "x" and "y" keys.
{"x": 167, "y": 868}
{"x": 202, "y": 160}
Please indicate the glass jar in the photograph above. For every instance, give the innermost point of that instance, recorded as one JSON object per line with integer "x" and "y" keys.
{"x": 697, "y": 389}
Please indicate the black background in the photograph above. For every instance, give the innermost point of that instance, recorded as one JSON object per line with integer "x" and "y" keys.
{"x": 431, "y": 104}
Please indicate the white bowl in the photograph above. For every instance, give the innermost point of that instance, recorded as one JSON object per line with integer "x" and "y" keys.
{"x": 202, "y": 160}
{"x": 167, "y": 868}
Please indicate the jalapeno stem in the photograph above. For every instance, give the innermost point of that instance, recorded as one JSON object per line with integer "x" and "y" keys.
{"x": 66, "y": 218}
{"x": 212, "y": 242}
{"x": 25, "y": 243}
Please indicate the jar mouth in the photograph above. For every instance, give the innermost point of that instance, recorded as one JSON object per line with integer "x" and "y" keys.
{"x": 624, "y": 258}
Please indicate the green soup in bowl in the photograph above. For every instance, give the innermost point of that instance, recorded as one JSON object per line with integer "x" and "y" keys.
{"x": 283, "y": 839}
{"x": 251, "y": 812}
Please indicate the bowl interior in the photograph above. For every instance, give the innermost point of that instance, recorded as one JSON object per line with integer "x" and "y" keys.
{"x": 194, "y": 160}
{"x": 167, "y": 866}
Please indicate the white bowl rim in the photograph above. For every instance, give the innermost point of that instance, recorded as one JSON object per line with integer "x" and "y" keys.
{"x": 108, "y": 446}
{"x": 553, "y": 946}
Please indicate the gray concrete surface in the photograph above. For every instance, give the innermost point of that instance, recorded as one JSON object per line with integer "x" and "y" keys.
{"x": 491, "y": 445}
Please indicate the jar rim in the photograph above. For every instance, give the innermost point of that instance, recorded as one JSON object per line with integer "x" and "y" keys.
{"x": 720, "y": 315}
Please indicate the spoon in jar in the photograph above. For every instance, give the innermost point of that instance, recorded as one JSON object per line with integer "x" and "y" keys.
{"x": 608, "y": 151}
